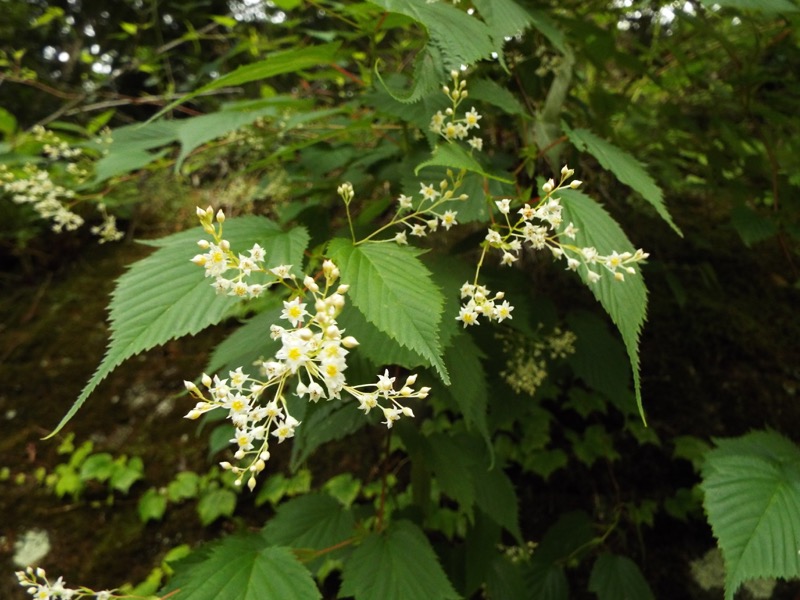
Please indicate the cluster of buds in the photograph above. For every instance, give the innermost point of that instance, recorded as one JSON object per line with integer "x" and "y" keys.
{"x": 37, "y": 585}
{"x": 540, "y": 227}
{"x": 448, "y": 124}
{"x": 218, "y": 259}
{"x": 310, "y": 364}
{"x": 422, "y": 215}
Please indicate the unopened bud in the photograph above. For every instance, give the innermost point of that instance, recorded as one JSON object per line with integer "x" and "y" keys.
{"x": 220, "y": 216}
{"x": 349, "y": 342}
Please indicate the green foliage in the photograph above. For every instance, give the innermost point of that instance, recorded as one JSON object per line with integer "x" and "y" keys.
{"x": 394, "y": 565}
{"x": 752, "y": 499}
{"x": 394, "y": 291}
{"x": 243, "y": 567}
{"x": 627, "y": 169}
{"x": 617, "y": 578}
{"x": 148, "y": 305}
{"x": 626, "y": 304}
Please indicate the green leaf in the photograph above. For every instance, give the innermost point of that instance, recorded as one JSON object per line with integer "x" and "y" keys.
{"x": 495, "y": 495}
{"x": 120, "y": 162}
{"x": 461, "y": 38}
{"x": 278, "y": 63}
{"x": 214, "y": 504}
{"x": 428, "y": 75}
{"x": 199, "y": 130}
{"x": 752, "y": 499}
{"x": 166, "y": 296}
{"x": 152, "y": 506}
{"x": 395, "y": 292}
{"x": 8, "y": 123}
{"x": 624, "y": 301}
{"x": 546, "y": 581}
{"x": 311, "y": 522}
{"x": 752, "y": 227}
{"x": 326, "y": 423}
{"x": 618, "y": 578}
{"x": 126, "y": 473}
{"x": 469, "y": 389}
{"x": 491, "y": 92}
{"x": 767, "y": 6}
{"x": 98, "y": 467}
{"x": 397, "y": 564}
{"x": 242, "y": 567}
{"x": 626, "y": 168}
{"x": 184, "y": 486}
{"x": 453, "y": 156}
{"x": 245, "y": 345}
{"x": 505, "y": 19}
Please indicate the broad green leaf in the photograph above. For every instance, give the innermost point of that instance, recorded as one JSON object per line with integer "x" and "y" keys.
{"x": 504, "y": 581}
{"x": 752, "y": 499}
{"x": 166, "y": 296}
{"x": 752, "y": 227}
{"x": 184, "y": 486}
{"x": 314, "y": 522}
{"x": 395, "y": 292}
{"x": 766, "y": 6}
{"x": 495, "y": 495}
{"x": 599, "y": 358}
{"x": 8, "y": 123}
{"x": 242, "y": 567}
{"x": 567, "y": 537}
{"x": 245, "y": 345}
{"x": 469, "y": 389}
{"x": 397, "y": 564}
{"x": 491, "y": 92}
{"x": 461, "y": 38}
{"x": 277, "y": 63}
{"x": 199, "y": 130}
{"x": 429, "y": 72}
{"x": 453, "y": 156}
{"x": 618, "y": 578}
{"x": 505, "y": 19}
{"x": 215, "y": 503}
{"x": 626, "y": 168}
{"x": 375, "y": 345}
{"x": 130, "y": 146}
{"x": 624, "y": 301}
{"x": 325, "y": 423}
{"x": 151, "y": 506}
{"x": 546, "y": 581}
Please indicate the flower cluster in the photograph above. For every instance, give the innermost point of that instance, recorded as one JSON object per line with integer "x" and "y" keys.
{"x": 218, "y": 259}
{"x": 310, "y": 363}
{"x": 37, "y": 189}
{"x": 422, "y": 215}
{"x": 451, "y": 127}
{"x": 482, "y": 303}
{"x": 539, "y": 227}
{"x": 38, "y": 586}
{"x": 526, "y": 362}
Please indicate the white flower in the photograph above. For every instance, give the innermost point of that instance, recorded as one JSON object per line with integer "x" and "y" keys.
{"x": 294, "y": 311}
{"x": 428, "y": 192}
{"x": 472, "y": 118}
{"x": 404, "y": 201}
{"x": 385, "y": 383}
{"x": 449, "y": 219}
{"x": 504, "y": 205}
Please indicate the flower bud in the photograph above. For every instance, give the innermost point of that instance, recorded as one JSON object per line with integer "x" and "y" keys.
{"x": 548, "y": 186}
{"x": 220, "y": 216}
{"x": 206, "y": 380}
{"x": 575, "y": 184}
{"x": 408, "y": 412}
{"x": 310, "y": 284}
{"x": 412, "y": 379}
{"x": 349, "y": 342}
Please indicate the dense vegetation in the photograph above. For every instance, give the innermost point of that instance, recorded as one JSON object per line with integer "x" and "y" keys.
{"x": 417, "y": 294}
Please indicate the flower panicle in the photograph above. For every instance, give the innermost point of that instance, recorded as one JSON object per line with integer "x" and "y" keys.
{"x": 36, "y": 583}
{"x": 311, "y": 362}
